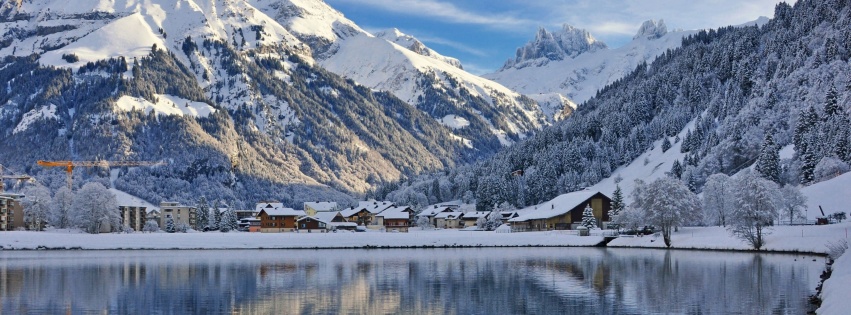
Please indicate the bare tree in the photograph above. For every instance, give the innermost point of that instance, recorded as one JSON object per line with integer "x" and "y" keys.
{"x": 36, "y": 206}
{"x": 95, "y": 207}
{"x": 667, "y": 203}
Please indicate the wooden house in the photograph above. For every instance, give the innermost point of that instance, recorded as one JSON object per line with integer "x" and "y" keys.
{"x": 563, "y": 213}
{"x": 397, "y": 218}
{"x": 277, "y": 220}
{"x": 311, "y": 225}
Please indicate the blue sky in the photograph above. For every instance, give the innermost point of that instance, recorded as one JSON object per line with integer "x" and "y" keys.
{"x": 485, "y": 33}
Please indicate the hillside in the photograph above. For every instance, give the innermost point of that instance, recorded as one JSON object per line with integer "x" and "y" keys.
{"x": 229, "y": 97}
{"x": 718, "y": 96}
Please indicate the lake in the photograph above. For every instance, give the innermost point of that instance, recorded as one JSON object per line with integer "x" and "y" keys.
{"x": 406, "y": 281}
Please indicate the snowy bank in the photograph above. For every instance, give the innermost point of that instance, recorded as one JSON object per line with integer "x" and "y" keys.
{"x": 835, "y": 289}
{"x": 808, "y": 239}
{"x": 237, "y": 240}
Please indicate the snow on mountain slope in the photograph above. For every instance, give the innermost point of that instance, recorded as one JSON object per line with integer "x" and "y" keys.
{"x": 342, "y": 47}
{"x": 43, "y": 112}
{"x": 165, "y": 105}
{"x": 107, "y": 42}
{"x": 579, "y": 76}
{"x": 397, "y": 37}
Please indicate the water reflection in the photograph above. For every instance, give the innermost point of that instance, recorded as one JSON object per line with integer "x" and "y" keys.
{"x": 427, "y": 281}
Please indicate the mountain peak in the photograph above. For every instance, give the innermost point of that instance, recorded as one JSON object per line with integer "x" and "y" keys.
{"x": 568, "y": 42}
{"x": 411, "y": 43}
{"x": 651, "y": 29}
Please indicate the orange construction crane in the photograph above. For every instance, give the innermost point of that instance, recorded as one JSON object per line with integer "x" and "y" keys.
{"x": 20, "y": 178}
{"x": 70, "y": 165}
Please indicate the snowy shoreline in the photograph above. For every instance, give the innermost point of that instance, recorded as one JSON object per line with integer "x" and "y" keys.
{"x": 783, "y": 239}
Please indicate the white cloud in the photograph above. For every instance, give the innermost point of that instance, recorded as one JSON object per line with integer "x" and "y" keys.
{"x": 446, "y": 11}
{"x": 456, "y": 45}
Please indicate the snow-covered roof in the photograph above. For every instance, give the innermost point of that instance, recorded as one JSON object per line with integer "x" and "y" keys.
{"x": 476, "y": 214}
{"x": 395, "y": 213}
{"x": 268, "y": 205}
{"x": 283, "y": 212}
{"x": 313, "y": 218}
{"x": 128, "y": 200}
{"x": 435, "y": 209}
{"x": 448, "y": 215}
{"x": 371, "y": 206}
{"x": 556, "y": 207}
{"x": 326, "y": 217}
{"x": 321, "y": 205}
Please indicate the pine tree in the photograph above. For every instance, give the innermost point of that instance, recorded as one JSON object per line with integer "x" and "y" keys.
{"x": 617, "y": 202}
{"x": 768, "y": 162}
{"x": 216, "y": 219}
{"x": 808, "y": 165}
{"x": 676, "y": 169}
{"x": 588, "y": 219}
{"x": 806, "y": 122}
{"x": 169, "y": 225}
{"x": 831, "y": 103}
{"x": 229, "y": 221}
{"x": 202, "y": 219}
{"x": 666, "y": 144}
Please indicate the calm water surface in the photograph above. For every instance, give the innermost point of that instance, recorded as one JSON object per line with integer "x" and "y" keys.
{"x": 406, "y": 281}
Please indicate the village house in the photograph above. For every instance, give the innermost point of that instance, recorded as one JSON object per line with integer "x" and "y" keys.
{"x": 471, "y": 218}
{"x": 312, "y": 208}
{"x": 336, "y": 220}
{"x": 11, "y": 212}
{"x": 311, "y": 225}
{"x": 448, "y": 220}
{"x": 563, "y": 213}
{"x": 274, "y": 218}
{"x": 430, "y": 211}
{"x": 396, "y": 219}
{"x": 249, "y": 224}
{"x": 179, "y": 213}
{"x": 365, "y": 213}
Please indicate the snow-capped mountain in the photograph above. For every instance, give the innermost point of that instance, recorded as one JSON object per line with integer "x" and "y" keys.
{"x": 400, "y": 64}
{"x": 397, "y": 37}
{"x": 547, "y": 70}
{"x": 238, "y": 97}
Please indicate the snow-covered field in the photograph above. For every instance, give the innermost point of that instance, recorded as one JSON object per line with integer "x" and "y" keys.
{"x": 835, "y": 290}
{"x": 809, "y": 238}
{"x": 215, "y": 240}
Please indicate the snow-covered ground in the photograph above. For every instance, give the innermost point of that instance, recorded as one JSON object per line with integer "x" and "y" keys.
{"x": 62, "y": 239}
{"x": 807, "y": 238}
{"x": 166, "y": 105}
{"x": 834, "y": 292}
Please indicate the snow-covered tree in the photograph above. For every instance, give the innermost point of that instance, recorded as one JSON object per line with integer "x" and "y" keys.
{"x": 768, "y": 162}
{"x": 151, "y": 226}
{"x": 229, "y": 221}
{"x": 169, "y": 225}
{"x": 617, "y": 202}
{"x": 794, "y": 202}
{"x": 202, "y": 218}
{"x": 839, "y": 216}
{"x": 216, "y": 218}
{"x": 667, "y": 204}
{"x": 95, "y": 208}
{"x": 717, "y": 199}
{"x": 60, "y": 210}
{"x": 494, "y": 219}
{"x": 676, "y": 170}
{"x": 424, "y": 223}
{"x": 182, "y": 227}
{"x": 666, "y": 144}
{"x": 588, "y": 219}
{"x": 758, "y": 201}
{"x": 630, "y": 218}
{"x": 829, "y": 167}
{"x": 482, "y": 223}
{"x": 36, "y": 205}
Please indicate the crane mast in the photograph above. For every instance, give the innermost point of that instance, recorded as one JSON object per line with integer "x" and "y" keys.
{"x": 70, "y": 165}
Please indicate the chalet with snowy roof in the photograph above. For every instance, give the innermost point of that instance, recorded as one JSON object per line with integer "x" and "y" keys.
{"x": 448, "y": 220}
{"x": 470, "y": 218}
{"x": 562, "y": 213}
{"x": 430, "y": 211}
{"x": 396, "y": 218}
{"x": 277, "y": 220}
{"x": 312, "y": 208}
{"x": 311, "y": 225}
{"x": 508, "y": 215}
{"x": 364, "y": 214}
{"x": 336, "y": 220}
